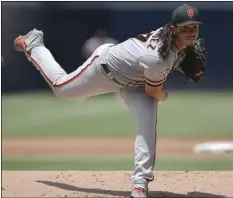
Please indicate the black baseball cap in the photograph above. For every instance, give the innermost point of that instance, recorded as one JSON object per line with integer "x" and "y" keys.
{"x": 185, "y": 15}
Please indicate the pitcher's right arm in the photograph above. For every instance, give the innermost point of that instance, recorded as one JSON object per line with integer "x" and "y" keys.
{"x": 156, "y": 92}
{"x": 155, "y": 74}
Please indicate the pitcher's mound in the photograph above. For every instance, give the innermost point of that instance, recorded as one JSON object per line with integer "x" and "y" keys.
{"x": 114, "y": 184}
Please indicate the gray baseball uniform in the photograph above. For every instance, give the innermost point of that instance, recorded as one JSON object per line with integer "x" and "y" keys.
{"x": 124, "y": 67}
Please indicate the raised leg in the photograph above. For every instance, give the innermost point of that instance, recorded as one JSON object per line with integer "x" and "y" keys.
{"x": 84, "y": 82}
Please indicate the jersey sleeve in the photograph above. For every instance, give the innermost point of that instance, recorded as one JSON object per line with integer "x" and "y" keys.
{"x": 155, "y": 72}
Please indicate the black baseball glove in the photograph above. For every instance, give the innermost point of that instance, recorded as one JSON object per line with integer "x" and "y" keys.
{"x": 195, "y": 61}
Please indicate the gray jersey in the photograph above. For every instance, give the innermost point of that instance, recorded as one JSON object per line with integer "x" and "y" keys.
{"x": 136, "y": 61}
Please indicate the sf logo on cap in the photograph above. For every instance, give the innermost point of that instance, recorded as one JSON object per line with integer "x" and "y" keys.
{"x": 190, "y": 13}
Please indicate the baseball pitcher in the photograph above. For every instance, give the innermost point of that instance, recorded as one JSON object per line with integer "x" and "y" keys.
{"x": 136, "y": 68}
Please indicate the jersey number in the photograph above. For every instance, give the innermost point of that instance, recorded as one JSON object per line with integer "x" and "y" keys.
{"x": 144, "y": 37}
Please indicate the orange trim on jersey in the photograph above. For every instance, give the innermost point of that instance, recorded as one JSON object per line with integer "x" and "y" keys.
{"x": 77, "y": 75}
{"x": 154, "y": 82}
{"x": 66, "y": 82}
{"x": 36, "y": 64}
{"x": 69, "y": 80}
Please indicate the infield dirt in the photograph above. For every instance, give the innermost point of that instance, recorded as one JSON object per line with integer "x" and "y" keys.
{"x": 106, "y": 184}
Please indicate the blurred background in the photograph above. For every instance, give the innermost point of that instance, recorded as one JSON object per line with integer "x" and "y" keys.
{"x": 193, "y": 114}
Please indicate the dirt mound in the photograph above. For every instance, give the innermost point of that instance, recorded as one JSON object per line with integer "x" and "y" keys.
{"x": 114, "y": 184}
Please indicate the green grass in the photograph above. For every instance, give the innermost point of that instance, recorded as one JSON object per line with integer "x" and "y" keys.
{"x": 183, "y": 115}
{"x": 173, "y": 164}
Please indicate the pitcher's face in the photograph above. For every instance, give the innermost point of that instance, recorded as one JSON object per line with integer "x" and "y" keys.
{"x": 188, "y": 34}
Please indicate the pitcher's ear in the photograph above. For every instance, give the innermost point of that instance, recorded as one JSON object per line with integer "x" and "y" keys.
{"x": 173, "y": 28}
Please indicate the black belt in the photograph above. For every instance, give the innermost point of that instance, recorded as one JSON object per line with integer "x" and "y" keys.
{"x": 108, "y": 73}
{"x": 110, "y": 76}
{"x": 105, "y": 67}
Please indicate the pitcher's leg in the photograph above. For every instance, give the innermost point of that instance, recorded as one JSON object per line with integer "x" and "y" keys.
{"x": 80, "y": 84}
{"x": 144, "y": 111}
{"x": 69, "y": 86}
